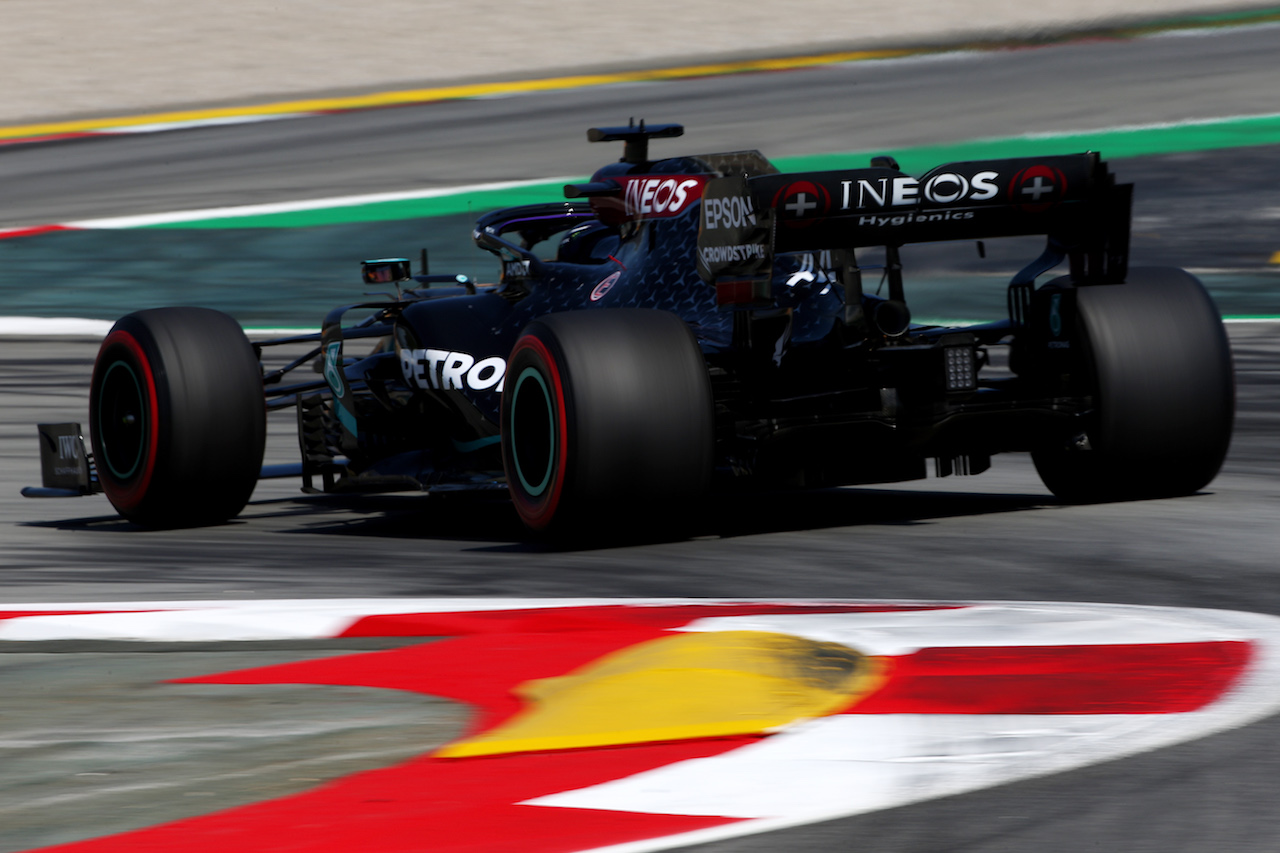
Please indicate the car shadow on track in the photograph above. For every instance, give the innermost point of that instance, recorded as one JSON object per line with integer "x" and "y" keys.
{"x": 494, "y": 527}
{"x": 490, "y": 524}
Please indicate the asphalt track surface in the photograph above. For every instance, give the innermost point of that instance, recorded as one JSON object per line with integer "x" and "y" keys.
{"x": 997, "y": 536}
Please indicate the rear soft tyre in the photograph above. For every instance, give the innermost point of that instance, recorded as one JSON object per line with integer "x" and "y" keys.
{"x": 1159, "y": 365}
{"x": 177, "y": 416}
{"x": 607, "y": 421}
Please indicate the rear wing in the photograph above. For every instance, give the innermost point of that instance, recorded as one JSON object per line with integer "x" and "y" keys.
{"x": 1073, "y": 199}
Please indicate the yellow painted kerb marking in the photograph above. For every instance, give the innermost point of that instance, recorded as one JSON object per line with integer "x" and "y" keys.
{"x": 449, "y": 93}
{"x": 694, "y": 685}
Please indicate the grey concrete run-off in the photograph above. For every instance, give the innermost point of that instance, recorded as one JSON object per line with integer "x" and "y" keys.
{"x": 95, "y": 740}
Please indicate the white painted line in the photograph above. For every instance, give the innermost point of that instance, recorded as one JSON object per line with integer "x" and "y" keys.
{"x": 283, "y": 332}
{"x": 52, "y": 326}
{"x": 146, "y": 219}
{"x": 991, "y": 625}
{"x": 1201, "y": 32}
{"x": 207, "y": 621}
{"x": 1153, "y": 126}
{"x": 23, "y": 327}
{"x": 1265, "y": 270}
{"x": 843, "y": 765}
{"x": 920, "y": 58}
{"x": 160, "y": 127}
{"x": 1134, "y": 128}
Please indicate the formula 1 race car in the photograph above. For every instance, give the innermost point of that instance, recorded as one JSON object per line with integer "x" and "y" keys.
{"x": 684, "y": 324}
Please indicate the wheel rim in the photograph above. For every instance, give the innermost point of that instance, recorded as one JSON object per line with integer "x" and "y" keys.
{"x": 122, "y": 421}
{"x": 533, "y": 432}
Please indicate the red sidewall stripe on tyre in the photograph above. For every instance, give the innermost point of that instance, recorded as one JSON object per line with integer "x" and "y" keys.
{"x": 126, "y": 498}
{"x": 538, "y": 517}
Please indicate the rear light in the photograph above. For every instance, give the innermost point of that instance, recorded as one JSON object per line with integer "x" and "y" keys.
{"x": 743, "y": 291}
{"x": 960, "y": 368}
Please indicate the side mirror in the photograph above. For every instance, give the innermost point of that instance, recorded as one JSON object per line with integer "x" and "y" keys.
{"x": 385, "y": 270}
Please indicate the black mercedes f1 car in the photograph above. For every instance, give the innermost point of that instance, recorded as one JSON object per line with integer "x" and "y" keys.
{"x": 685, "y": 324}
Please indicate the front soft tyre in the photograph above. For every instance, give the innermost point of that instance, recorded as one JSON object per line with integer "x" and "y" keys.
{"x": 177, "y": 417}
{"x": 1159, "y": 366}
{"x": 607, "y": 421}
